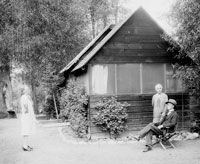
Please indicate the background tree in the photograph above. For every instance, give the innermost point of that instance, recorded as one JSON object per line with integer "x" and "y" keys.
{"x": 185, "y": 18}
{"x": 46, "y": 32}
{"x": 42, "y": 36}
{"x": 104, "y": 12}
{"x": 7, "y": 21}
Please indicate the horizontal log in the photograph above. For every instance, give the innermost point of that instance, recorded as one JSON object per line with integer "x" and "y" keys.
{"x": 138, "y": 128}
{"x": 137, "y": 120}
{"x": 131, "y": 110}
{"x": 131, "y": 59}
{"x": 139, "y": 31}
{"x": 137, "y": 39}
{"x": 145, "y": 111}
{"x": 143, "y": 46}
{"x": 94, "y": 98}
{"x": 138, "y": 23}
{"x": 142, "y": 105}
{"x": 185, "y": 121}
{"x": 137, "y": 114}
{"x": 130, "y": 51}
{"x": 134, "y": 27}
{"x": 135, "y": 130}
{"x": 131, "y": 103}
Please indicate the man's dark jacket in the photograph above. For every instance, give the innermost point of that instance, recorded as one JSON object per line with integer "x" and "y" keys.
{"x": 170, "y": 121}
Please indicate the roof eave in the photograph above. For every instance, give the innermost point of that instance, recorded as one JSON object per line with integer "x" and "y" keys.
{"x": 97, "y": 48}
{"x": 76, "y": 59}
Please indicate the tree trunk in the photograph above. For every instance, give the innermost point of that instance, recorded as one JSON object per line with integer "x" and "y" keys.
{"x": 34, "y": 97}
{"x": 116, "y": 11}
{"x": 55, "y": 106}
{"x": 105, "y": 21}
{"x": 2, "y": 104}
{"x": 93, "y": 24}
{"x": 92, "y": 17}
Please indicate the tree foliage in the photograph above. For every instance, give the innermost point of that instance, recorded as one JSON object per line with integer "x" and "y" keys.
{"x": 47, "y": 33}
{"x": 39, "y": 34}
{"x": 7, "y": 21}
{"x": 42, "y": 36}
{"x": 185, "y": 17}
{"x": 101, "y": 13}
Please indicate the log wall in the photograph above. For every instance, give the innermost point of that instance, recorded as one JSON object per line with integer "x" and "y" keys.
{"x": 140, "y": 111}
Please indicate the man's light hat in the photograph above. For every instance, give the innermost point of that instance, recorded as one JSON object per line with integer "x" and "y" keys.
{"x": 171, "y": 101}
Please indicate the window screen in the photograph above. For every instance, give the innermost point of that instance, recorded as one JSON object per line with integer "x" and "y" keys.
{"x": 128, "y": 78}
{"x": 111, "y": 79}
{"x": 152, "y": 74}
{"x": 170, "y": 81}
{"x": 102, "y": 79}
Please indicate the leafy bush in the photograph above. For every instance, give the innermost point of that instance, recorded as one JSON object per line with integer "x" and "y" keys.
{"x": 111, "y": 116}
{"x": 73, "y": 103}
{"x": 195, "y": 128}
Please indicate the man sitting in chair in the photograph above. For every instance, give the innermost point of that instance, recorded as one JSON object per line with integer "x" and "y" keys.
{"x": 168, "y": 121}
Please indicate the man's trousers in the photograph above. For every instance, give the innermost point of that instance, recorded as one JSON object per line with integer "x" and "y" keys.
{"x": 149, "y": 131}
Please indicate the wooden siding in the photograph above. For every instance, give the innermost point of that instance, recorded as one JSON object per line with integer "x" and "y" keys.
{"x": 140, "y": 111}
{"x": 137, "y": 41}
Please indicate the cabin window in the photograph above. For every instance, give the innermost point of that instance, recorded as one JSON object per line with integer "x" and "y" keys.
{"x": 113, "y": 79}
{"x": 128, "y": 78}
{"x": 152, "y": 74}
{"x": 102, "y": 79}
{"x": 173, "y": 84}
{"x": 170, "y": 81}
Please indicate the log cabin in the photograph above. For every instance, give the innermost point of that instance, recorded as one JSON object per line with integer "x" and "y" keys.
{"x": 127, "y": 60}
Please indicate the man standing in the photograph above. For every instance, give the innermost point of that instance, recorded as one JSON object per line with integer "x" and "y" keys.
{"x": 168, "y": 121}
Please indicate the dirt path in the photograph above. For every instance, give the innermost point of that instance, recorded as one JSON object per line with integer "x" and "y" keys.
{"x": 50, "y": 148}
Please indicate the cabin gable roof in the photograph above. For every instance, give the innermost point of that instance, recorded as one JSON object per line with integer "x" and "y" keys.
{"x": 134, "y": 20}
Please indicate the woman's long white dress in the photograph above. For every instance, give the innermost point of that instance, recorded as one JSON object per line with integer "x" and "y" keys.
{"x": 28, "y": 120}
{"x": 158, "y": 102}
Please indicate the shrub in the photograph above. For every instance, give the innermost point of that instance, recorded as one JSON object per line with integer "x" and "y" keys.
{"x": 195, "y": 128}
{"x": 73, "y": 105}
{"x": 111, "y": 116}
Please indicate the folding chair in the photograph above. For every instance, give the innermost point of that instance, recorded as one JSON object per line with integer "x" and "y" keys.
{"x": 164, "y": 139}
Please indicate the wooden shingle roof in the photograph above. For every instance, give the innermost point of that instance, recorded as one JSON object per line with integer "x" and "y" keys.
{"x": 89, "y": 51}
{"x": 88, "y": 48}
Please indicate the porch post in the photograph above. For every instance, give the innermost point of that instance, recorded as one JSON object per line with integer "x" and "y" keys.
{"x": 89, "y": 119}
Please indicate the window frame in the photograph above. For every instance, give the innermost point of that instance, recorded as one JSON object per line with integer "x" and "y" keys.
{"x": 140, "y": 79}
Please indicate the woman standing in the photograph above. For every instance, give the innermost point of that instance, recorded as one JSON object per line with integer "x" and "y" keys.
{"x": 158, "y": 102}
{"x": 28, "y": 119}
